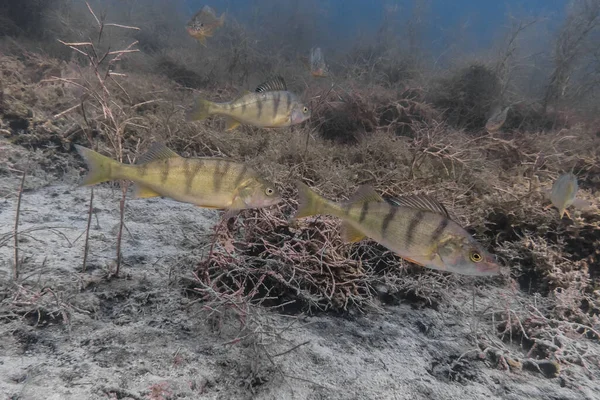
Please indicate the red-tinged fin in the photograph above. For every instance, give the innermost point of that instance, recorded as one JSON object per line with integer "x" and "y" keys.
{"x": 412, "y": 261}
{"x": 231, "y": 124}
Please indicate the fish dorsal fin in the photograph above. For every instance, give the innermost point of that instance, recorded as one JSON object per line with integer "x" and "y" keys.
{"x": 208, "y": 10}
{"x": 365, "y": 194}
{"x": 420, "y": 202}
{"x": 272, "y": 85}
{"x": 242, "y": 94}
{"x": 158, "y": 151}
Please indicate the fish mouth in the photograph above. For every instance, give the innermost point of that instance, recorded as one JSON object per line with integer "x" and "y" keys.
{"x": 319, "y": 74}
{"x": 491, "y": 268}
{"x": 195, "y": 33}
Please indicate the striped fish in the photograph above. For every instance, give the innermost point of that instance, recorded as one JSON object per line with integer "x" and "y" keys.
{"x": 271, "y": 105}
{"x": 563, "y": 194}
{"x": 417, "y": 228}
{"x": 205, "y": 182}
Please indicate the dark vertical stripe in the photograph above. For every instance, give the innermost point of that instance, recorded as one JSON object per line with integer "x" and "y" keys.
{"x": 166, "y": 166}
{"x": 221, "y": 173}
{"x": 276, "y": 103}
{"x": 388, "y": 218}
{"x": 437, "y": 233}
{"x": 363, "y": 211}
{"x": 288, "y": 99}
{"x": 347, "y": 206}
{"x": 414, "y": 222}
{"x": 217, "y": 176}
{"x": 259, "y": 105}
{"x": 190, "y": 169}
{"x": 240, "y": 176}
{"x": 143, "y": 168}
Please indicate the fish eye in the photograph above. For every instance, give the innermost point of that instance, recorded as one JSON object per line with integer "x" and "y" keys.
{"x": 201, "y": 24}
{"x": 305, "y": 109}
{"x": 475, "y": 257}
{"x": 270, "y": 191}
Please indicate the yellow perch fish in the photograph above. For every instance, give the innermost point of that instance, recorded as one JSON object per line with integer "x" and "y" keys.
{"x": 271, "y": 105}
{"x": 563, "y": 194}
{"x": 204, "y": 24}
{"x": 205, "y": 182}
{"x": 417, "y": 228}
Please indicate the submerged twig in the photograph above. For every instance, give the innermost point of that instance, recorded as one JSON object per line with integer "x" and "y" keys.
{"x": 16, "y": 230}
{"x": 87, "y": 230}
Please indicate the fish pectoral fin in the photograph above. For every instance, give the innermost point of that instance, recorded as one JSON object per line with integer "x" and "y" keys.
{"x": 274, "y": 84}
{"x": 201, "y": 39}
{"x": 144, "y": 192}
{"x": 412, "y": 261}
{"x": 365, "y": 194}
{"x": 230, "y": 214}
{"x": 549, "y": 206}
{"x": 231, "y": 124}
{"x": 350, "y": 234}
{"x": 157, "y": 151}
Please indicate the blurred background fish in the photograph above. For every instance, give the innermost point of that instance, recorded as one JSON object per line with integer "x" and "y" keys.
{"x": 204, "y": 24}
{"x": 563, "y": 195}
{"x": 205, "y": 182}
{"x": 271, "y": 105}
{"x": 497, "y": 119}
{"x": 318, "y": 67}
{"x": 417, "y": 228}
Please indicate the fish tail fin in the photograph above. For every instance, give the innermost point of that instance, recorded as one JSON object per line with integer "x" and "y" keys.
{"x": 200, "y": 111}
{"x": 101, "y": 168}
{"x": 309, "y": 203}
